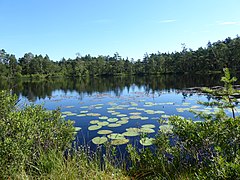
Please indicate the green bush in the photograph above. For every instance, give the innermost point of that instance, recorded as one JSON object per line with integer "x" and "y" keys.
{"x": 26, "y": 133}
{"x": 195, "y": 150}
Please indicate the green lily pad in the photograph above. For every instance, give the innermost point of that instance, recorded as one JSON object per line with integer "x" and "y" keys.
{"x": 84, "y": 107}
{"x": 140, "y": 109}
{"x": 66, "y": 112}
{"x": 103, "y": 117}
{"x": 159, "y": 112}
{"x": 94, "y": 122}
{"x": 71, "y": 114}
{"x": 99, "y": 140}
{"x": 130, "y": 133}
{"x": 150, "y": 111}
{"x": 135, "y": 117}
{"x": 83, "y": 112}
{"x": 122, "y": 122}
{"x": 117, "y": 142}
{"x": 147, "y": 130}
{"x": 121, "y": 115}
{"x": 144, "y": 118}
{"x": 81, "y": 115}
{"x": 116, "y": 136}
{"x": 133, "y": 130}
{"x": 180, "y": 109}
{"x": 94, "y": 127}
{"x": 98, "y": 107}
{"x": 68, "y": 107}
{"x": 93, "y": 114}
{"x": 111, "y": 111}
{"x": 116, "y": 113}
{"x": 63, "y": 116}
{"x": 104, "y": 132}
{"x": 114, "y": 125}
{"x": 112, "y": 120}
{"x": 148, "y": 126}
{"x": 103, "y": 123}
{"x": 124, "y": 118}
{"x": 147, "y": 141}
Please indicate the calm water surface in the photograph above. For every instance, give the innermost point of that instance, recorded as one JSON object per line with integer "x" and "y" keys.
{"x": 130, "y": 102}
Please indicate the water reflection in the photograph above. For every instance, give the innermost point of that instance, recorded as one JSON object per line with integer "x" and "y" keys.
{"x": 34, "y": 90}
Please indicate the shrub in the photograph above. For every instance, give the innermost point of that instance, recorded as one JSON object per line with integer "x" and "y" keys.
{"x": 27, "y": 132}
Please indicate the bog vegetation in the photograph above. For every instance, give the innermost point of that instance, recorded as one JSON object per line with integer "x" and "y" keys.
{"x": 211, "y": 59}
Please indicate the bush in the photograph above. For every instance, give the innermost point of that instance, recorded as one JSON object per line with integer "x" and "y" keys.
{"x": 26, "y": 133}
{"x": 195, "y": 150}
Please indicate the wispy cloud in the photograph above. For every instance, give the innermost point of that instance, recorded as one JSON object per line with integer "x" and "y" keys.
{"x": 228, "y": 23}
{"x": 167, "y": 21}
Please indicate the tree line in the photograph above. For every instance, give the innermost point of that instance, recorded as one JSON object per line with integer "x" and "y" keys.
{"x": 213, "y": 58}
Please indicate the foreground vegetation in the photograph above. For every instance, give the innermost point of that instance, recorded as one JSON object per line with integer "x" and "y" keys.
{"x": 211, "y": 59}
{"x": 36, "y": 143}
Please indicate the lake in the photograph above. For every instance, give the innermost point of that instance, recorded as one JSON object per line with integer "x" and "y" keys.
{"x": 118, "y": 108}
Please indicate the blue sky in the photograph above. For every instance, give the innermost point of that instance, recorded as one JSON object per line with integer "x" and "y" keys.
{"x": 61, "y": 28}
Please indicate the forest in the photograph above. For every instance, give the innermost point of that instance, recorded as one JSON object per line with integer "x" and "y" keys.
{"x": 210, "y": 59}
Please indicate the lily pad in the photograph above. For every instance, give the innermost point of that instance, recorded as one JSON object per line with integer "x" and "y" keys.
{"x": 83, "y": 112}
{"x": 148, "y": 126}
{"x": 94, "y": 127}
{"x": 104, "y": 132}
{"x": 84, "y": 107}
{"x": 93, "y": 114}
{"x": 159, "y": 112}
{"x": 94, "y": 122}
{"x": 135, "y": 117}
{"x": 116, "y": 136}
{"x": 135, "y": 113}
{"x": 144, "y": 118}
{"x": 124, "y": 118}
{"x": 103, "y": 117}
{"x": 147, "y": 130}
{"x": 130, "y": 133}
{"x": 66, "y": 112}
{"x": 117, "y": 142}
{"x": 99, "y": 140}
{"x": 112, "y": 120}
{"x": 122, "y": 122}
{"x": 147, "y": 141}
{"x": 105, "y": 123}
{"x": 114, "y": 125}
{"x": 133, "y": 129}
{"x": 68, "y": 107}
{"x": 150, "y": 111}
{"x": 81, "y": 115}
{"x": 121, "y": 115}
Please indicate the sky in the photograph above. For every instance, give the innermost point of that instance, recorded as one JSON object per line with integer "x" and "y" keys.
{"x": 62, "y": 28}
